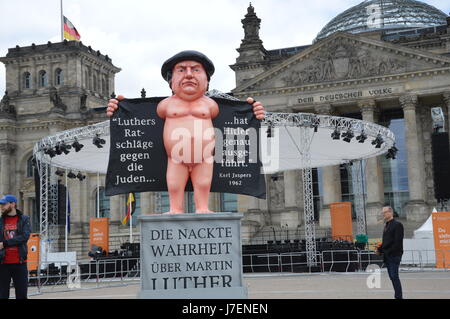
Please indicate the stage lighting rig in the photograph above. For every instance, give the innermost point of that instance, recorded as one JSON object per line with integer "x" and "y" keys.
{"x": 347, "y": 136}
{"x": 62, "y": 147}
{"x": 362, "y": 137}
{"x": 99, "y": 142}
{"x": 49, "y": 151}
{"x": 77, "y": 145}
{"x": 59, "y": 172}
{"x": 378, "y": 141}
{"x": 392, "y": 153}
{"x": 80, "y": 176}
{"x": 71, "y": 175}
{"x": 315, "y": 125}
{"x": 335, "y": 135}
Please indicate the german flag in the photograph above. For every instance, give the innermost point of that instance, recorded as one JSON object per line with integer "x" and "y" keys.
{"x": 70, "y": 32}
{"x": 131, "y": 206}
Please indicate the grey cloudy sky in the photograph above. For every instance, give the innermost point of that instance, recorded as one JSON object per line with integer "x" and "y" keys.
{"x": 140, "y": 35}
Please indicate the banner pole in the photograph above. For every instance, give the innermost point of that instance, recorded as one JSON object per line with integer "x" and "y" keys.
{"x": 67, "y": 212}
{"x": 131, "y": 221}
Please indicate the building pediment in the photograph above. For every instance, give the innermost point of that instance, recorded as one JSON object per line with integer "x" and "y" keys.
{"x": 344, "y": 57}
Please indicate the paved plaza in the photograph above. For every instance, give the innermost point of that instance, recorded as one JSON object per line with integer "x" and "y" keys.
{"x": 416, "y": 285}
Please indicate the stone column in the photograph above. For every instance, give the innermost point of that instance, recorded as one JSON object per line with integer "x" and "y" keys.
{"x": 115, "y": 210}
{"x": 6, "y": 150}
{"x": 76, "y": 207}
{"x": 331, "y": 179}
{"x": 416, "y": 208}
{"x": 290, "y": 216}
{"x": 374, "y": 171}
{"x": 147, "y": 203}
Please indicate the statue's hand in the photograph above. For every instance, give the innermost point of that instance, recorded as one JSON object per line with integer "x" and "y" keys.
{"x": 113, "y": 105}
{"x": 258, "y": 108}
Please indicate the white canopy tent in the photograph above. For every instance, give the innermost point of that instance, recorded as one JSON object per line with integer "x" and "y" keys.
{"x": 285, "y": 147}
{"x": 426, "y": 230}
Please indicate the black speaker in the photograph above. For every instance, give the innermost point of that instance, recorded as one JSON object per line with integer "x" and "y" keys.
{"x": 441, "y": 165}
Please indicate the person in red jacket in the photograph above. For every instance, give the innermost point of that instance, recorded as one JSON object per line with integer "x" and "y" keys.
{"x": 15, "y": 231}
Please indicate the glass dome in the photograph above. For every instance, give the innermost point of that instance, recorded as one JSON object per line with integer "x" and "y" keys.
{"x": 395, "y": 15}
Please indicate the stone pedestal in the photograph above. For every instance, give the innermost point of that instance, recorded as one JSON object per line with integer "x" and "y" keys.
{"x": 191, "y": 256}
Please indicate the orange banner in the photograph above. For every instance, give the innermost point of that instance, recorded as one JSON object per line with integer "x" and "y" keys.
{"x": 33, "y": 251}
{"x": 441, "y": 231}
{"x": 99, "y": 233}
{"x": 341, "y": 221}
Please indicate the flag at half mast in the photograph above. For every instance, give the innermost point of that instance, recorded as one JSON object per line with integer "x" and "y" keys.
{"x": 70, "y": 32}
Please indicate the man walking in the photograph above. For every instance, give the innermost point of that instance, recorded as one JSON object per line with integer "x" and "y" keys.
{"x": 15, "y": 230}
{"x": 392, "y": 248}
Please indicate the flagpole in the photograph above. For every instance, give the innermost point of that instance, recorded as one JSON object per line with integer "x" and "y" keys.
{"x": 67, "y": 212}
{"x": 131, "y": 221}
{"x": 62, "y": 21}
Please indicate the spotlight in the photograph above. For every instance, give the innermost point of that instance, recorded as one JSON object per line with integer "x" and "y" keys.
{"x": 362, "y": 137}
{"x": 392, "y": 153}
{"x": 274, "y": 178}
{"x": 62, "y": 147}
{"x": 336, "y": 135}
{"x": 77, "y": 146}
{"x": 71, "y": 175}
{"x": 378, "y": 141}
{"x": 99, "y": 142}
{"x": 269, "y": 131}
{"x": 347, "y": 136}
{"x": 80, "y": 176}
{"x": 59, "y": 172}
{"x": 58, "y": 149}
{"x": 315, "y": 125}
{"x": 50, "y": 152}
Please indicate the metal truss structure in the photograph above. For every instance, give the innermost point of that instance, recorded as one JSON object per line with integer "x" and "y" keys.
{"x": 357, "y": 171}
{"x": 307, "y": 123}
{"x": 48, "y": 224}
{"x": 308, "y": 201}
{"x": 315, "y": 121}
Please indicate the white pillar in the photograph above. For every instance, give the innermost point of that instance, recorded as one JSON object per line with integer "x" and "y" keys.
{"x": 374, "y": 171}
{"x": 416, "y": 208}
{"x": 331, "y": 179}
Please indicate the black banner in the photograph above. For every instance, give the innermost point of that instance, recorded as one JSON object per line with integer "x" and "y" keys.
{"x": 138, "y": 160}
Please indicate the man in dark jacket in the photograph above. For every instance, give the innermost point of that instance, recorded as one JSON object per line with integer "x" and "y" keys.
{"x": 392, "y": 248}
{"x": 15, "y": 230}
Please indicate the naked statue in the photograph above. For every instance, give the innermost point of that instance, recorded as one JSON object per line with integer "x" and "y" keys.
{"x": 188, "y": 129}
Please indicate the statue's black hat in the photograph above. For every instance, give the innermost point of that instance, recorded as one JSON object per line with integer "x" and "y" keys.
{"x": 166, "y": 69}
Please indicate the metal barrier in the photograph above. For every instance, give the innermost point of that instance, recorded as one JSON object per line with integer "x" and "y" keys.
{"x": 298, "y": 261}
{"x": 343, "y": 261}
{"x": 352, "y": 258}
{"x": 64, "y": 276}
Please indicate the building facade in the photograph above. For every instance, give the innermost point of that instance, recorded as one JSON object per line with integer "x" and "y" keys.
{"x": 381, "y": 61}
{"x": 384, "y": 67}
